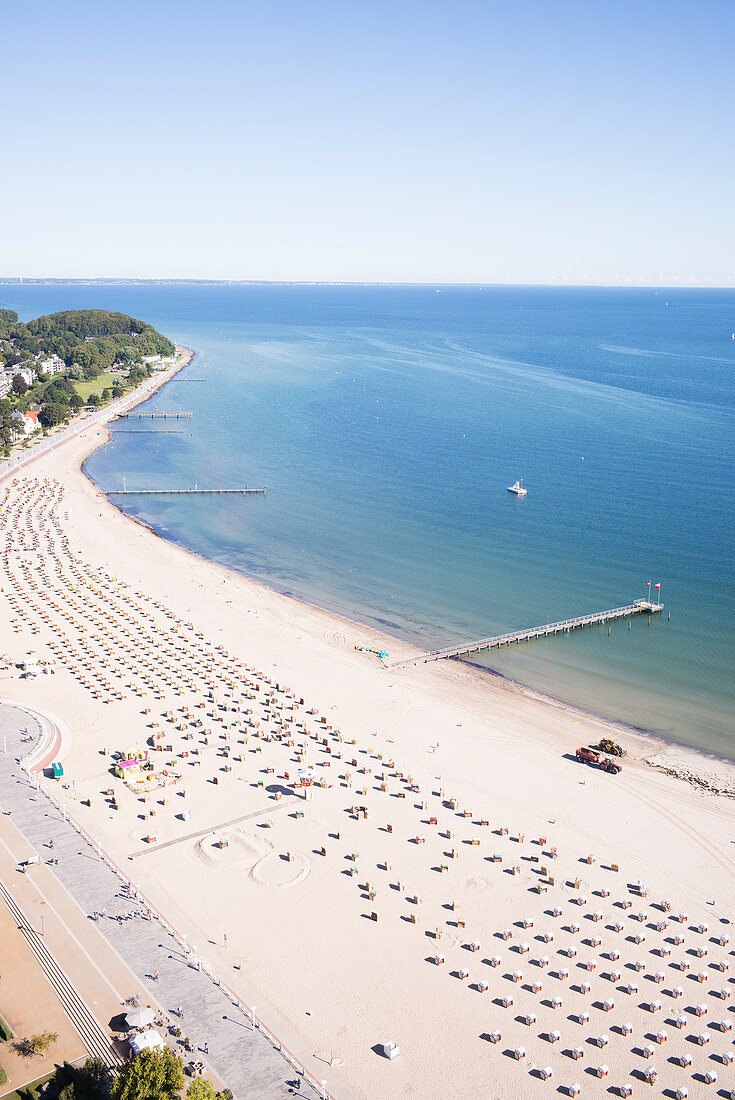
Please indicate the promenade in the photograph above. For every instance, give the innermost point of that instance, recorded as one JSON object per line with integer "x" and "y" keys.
{"x": 240, "y": 1057}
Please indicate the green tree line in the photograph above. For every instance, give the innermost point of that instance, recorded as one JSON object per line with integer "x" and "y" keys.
{"x": 92, "y": 340}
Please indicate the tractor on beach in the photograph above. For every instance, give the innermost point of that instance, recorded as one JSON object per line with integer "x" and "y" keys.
{"x": 595, "y": 760}
{"x": 608, "y": 745}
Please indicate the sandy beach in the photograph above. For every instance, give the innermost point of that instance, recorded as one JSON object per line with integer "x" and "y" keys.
{"x": 449, "y": 877}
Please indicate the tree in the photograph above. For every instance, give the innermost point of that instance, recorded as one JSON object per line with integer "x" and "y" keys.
{"x": 54, "y": 413}
{"x": 37, "y": 1044}
{"x": 93, "y": 399}
{"x": 20, "y": 386}
{"x": 201, "y": 1090}
{"x": 75, "y": 402}
{"x": 153, "y": 1075}
{"x": 88, "y": 1082}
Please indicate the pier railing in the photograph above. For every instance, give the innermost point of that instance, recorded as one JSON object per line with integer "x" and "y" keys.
{"x": 639, "y": 607}
{"x": 155, "y": 415}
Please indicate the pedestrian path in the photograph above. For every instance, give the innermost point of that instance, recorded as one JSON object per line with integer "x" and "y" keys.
{"x": 240, "y": 1056}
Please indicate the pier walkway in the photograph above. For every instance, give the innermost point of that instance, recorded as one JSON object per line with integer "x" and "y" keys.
{"x": 181, "y": 492}
{"x": 639, "y": 607}
{"x": 155, "y": 415}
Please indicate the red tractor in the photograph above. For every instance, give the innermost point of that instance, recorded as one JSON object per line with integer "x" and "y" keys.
{"x": 595, "y": 760}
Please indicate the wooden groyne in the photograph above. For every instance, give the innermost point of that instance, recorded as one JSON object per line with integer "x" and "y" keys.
{"x": 639, "y": 607}
{"x": 196, "y": 491}
{"x": 155, "y": 415}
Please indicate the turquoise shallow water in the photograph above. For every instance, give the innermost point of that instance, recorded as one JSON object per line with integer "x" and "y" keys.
{"x": 388, "y": 422}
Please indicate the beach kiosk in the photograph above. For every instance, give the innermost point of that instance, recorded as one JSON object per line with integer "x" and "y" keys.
{"x": 145, "y": 1040}
{"x": 56, "y": 770}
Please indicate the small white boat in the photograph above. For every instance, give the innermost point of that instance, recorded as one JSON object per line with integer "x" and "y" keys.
{"x": 517, "y": 488}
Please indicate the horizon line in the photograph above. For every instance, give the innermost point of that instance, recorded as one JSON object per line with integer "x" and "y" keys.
{"x": 20, "y": 280}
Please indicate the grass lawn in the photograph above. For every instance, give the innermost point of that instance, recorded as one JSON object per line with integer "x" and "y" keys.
{"x": 96, "y": 385}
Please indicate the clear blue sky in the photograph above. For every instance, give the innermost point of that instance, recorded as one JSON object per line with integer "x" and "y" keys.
{"x": 475, "y": 141}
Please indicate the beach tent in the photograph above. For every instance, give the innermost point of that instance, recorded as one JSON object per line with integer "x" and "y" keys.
{"x": 140, "y": 1017}
{"x": 146, "y": 1040}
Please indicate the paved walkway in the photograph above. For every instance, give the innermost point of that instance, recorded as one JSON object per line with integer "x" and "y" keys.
{"x": 239, "y": 1054}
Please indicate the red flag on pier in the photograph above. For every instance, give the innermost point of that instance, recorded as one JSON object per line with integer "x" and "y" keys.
{"x": 657, "y": 586}
{"x": 648, "y": 584}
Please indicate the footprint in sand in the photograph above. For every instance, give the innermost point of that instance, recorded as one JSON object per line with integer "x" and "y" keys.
{"x": 476, "y": 883}
{"x": 230, "y": 849}
{"x": 277, "y": 870}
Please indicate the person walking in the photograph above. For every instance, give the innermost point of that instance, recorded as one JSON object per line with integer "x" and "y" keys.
{"x": 155, "y": 975}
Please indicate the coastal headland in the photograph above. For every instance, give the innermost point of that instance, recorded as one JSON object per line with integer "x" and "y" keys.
{"x": 371, "y": 855}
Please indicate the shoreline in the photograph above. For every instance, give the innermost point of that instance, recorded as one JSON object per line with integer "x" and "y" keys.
{"x": 657, "y": 740}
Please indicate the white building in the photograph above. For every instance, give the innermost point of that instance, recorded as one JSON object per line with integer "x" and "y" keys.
{"x": 26, "y": 373}
{"x": 52, "y": 365}
{"x": 25, "y": 423}
{"x": 6, "y": 384}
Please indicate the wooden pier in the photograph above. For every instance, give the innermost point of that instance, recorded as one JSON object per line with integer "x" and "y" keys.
{"x": 639, "y": 607}
{"x": 196, "y": 491}
{"x": 155, "y": 415}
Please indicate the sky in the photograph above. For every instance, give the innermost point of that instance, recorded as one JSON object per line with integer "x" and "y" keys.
{"x": 522, "y": 141}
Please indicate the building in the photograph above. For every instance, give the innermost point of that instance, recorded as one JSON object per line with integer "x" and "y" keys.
{"x": 26, "y": 373}
{"x": 25, "y": 423}
{"x": 51, "y": 365}
{"x": 6, "y": 383}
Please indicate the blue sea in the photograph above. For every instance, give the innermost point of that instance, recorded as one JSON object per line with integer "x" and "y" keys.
{"x": 387, "y": 423}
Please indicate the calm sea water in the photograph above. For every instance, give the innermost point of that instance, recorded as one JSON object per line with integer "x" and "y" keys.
{"x": 387, "y": 423}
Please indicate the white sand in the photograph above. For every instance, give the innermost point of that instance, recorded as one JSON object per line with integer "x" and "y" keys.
{"x": 300, "y": 939}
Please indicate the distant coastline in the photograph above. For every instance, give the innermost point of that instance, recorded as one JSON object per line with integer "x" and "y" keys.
{"x": 17, "y": 280}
